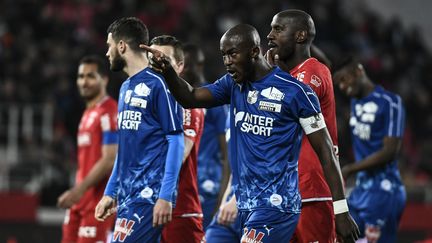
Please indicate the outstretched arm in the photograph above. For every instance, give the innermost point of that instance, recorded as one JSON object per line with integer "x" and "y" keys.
{"x": 184, "y": 93}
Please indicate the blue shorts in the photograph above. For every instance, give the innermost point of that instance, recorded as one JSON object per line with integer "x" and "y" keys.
{"x": 217, "y": 233}
{"x": 134, "y": 224}
{"x": 267, "y": 226}
{"x": 379, "y": 220}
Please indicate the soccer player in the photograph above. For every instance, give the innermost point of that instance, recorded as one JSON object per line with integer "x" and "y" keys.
{"x": 213, "y": 170}
{"x": 377, "y": 125}
{"x": 186, "y": 225}
{"x": 290, "y": 40}
{"x": 151, "y": 142}
{"x": 269, "y": 112}
{"x": 97, "y": 147}
{"x": 225, "y": 226}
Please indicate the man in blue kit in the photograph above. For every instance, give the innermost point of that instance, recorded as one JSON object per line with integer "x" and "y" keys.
{"x": 145, "y": 174}
{"x": 377, "y": 125}
{"x": 213, "y": 170}
{"x": 269, "y": 112}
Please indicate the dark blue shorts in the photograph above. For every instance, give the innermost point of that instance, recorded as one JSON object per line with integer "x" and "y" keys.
{"x": 217, "y": 233}
{"x": 134, "y": 224}
{"x": 378, "y": 219}
{"x": 267, "y": 226}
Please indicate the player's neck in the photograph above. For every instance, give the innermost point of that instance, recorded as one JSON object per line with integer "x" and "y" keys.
{"x": 298, "y": 58}
{"x": 368, "y": 87}
{"x": 262, "y": 68}
{"x": 95, "y": 100}
{"x": 135, "y": 63}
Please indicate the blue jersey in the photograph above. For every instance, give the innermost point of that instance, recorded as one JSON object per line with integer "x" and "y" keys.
{"x": 146, "y": 114}
{"x": 266, "y": 137}
{"x": 209, "y": 157}
{"x": 374, "y": 117}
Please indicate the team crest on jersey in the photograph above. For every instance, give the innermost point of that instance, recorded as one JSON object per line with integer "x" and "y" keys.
{"x": 252, "y": 97}
{"x": 142, "y": 89}
{"x": 123, "y": 229}
{"x": 128, "y": 96}
{"x": 250, "y": 236}
{"x": 273, "y": 93}
{"x": 315, "y": 80}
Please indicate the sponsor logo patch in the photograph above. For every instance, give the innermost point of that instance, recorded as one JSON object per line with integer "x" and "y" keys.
{"x": 142, "y": 90}
{"x": 138, "y": 102}
{"x": 123, "y": 229}
{"x": 272, "y": 93}
{"x": 269, "y": 106}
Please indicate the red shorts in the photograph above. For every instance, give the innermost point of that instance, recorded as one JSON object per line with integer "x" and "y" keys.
{"x": 316, "y": 223}
{"x": 185, "y": 230}
{"x": 82, "y": 227}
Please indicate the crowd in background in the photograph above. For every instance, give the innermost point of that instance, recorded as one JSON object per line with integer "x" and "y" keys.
{"x": 41, "y": 43}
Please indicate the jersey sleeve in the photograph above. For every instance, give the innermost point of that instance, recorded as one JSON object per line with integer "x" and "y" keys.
{"x": 192, "y": 120}
{"x": 168, "y": 111}
{"x": 305, "y": 107}
{"x": 394, "y": 118}
{"x": 108, "y": 124}
{"x": 221, "y": 90}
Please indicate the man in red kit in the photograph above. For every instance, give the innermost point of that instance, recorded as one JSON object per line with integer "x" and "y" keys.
{"x": 290, "y": 40}
{"x": 186, "y": 225}
{"x": 97, "y": 148}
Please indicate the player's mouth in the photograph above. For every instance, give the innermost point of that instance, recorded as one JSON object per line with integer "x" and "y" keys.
{"x": 233, "y": 74}
{"x": 272, "y": 45}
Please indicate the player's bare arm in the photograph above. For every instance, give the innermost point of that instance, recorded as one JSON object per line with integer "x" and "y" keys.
{"x": 387, "y": 154}
{"x": 346, "y": 228}
{"x": 100, "y": 170}
{"x": 185, "y": 94}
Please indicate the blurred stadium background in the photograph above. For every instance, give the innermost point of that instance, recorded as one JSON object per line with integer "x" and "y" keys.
{"x": 42, "y": 41}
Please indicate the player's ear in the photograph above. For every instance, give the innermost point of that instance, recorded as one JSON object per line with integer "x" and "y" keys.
{"x": 121, "y": 46}
{"x": 301, "y": 36}
{"x": 256, "y": 50}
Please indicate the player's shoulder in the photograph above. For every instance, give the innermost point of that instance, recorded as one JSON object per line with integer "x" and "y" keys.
{"x": 287, "y": 82}
{"x": 386, "y": 95}
{"x": 315, "y": 67}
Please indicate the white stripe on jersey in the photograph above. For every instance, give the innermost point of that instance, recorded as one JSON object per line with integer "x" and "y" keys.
{"x": 166, "y": 93}
{"x": 390, "y": 132}
{"x": 399, "y": 125}
{"x": 300, "y": 88}
{"x": 317, "y": 199}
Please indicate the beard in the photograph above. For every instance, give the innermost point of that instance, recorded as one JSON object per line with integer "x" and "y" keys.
{"x": 118, "y": 63}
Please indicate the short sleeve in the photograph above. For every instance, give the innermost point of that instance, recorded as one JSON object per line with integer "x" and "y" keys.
{"x": 108, "y": 124}
{"x": 305, "y": 103}
{"x": 192, "y": 123}
{"x": 394, "y": 117}
{"x": 221, "y": 90}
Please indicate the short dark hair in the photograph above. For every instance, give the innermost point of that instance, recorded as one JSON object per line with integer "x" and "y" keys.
{"x": 102, "y": 66}
{"x": 131, "y": 30}
{"x": 168, "y": 40}
{"x": 345, "y": 61}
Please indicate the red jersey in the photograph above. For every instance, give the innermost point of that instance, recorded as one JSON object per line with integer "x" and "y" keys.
{"x": 188, "y": 203}
{"x": 312, "y": 183}
{"x": 98, "y": 126}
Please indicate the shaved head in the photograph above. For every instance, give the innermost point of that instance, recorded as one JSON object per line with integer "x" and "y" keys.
{"x": 300, "y": 20}
{"x": 244, "y": 35}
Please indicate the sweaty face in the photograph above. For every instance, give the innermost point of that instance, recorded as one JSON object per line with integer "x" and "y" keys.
{"x": 347, "y": 81}
{"x": 169, "y": 51}
{"x": 117, "y": 63}
{"x": 236, "y": 57}
{"x": 282, "y": 37}
{"x": 90, "y": 82}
